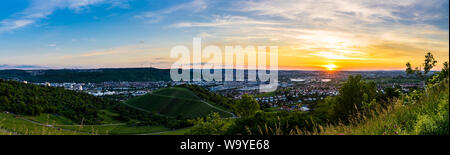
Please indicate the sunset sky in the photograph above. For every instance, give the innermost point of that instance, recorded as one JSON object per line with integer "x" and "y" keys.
{"x": 310, "y": 34}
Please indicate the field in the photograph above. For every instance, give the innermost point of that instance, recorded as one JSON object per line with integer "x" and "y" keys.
{"x": 168, "y": 102}
{"x": 48, "y": 124}
{"x": 10, "y": 124}
{"x": 4, "y": 132}
{"x": 173, "y": 102}
{"x": 116, "y": 129}
{"x": 174, "y": 132}
{"x": 108, "y": 126}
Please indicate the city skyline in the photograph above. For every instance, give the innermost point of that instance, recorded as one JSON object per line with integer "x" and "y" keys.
{"x": 311, "y": 35}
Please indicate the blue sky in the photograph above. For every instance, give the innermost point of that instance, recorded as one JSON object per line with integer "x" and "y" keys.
{"x": 135, "y": 33}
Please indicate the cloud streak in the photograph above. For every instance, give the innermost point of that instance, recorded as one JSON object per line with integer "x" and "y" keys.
{"x": 41, "y": 9}
{"x": 157, "y": 16}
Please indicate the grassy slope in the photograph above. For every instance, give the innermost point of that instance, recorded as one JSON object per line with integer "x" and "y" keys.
{"x": 117, "y": 129}
{"x": 108, "y": 126}
{"x": 5, "y": 132}
{"x": 175, "y": 132}
{"x": 172, "y": 102}
{"x": 427, "y": 115}
{"x": 8, "y": 123}
{"x": 51, "y": 119}
{"x": 59, "y": 124}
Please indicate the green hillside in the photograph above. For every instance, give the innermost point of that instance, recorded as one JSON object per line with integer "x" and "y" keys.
{"x": 173, "y": 102}
{"x": 39, "y": 110}
{"x": 10, "y": 124}
{"x": 33, "y": 100}
{"x": 418, "y": 113}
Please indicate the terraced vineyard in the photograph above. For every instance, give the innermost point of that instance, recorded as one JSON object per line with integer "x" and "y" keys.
{"x": 173, "y": 102}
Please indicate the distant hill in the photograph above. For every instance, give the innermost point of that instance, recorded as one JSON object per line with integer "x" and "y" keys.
{"x": 88, "y": 75}
{"x": 2, "y": 67}
{"x": 36, "y": 74}
{"x": 173, "y": 102}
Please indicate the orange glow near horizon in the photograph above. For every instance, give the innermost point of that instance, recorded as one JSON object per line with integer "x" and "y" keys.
{"x": 330, "y": 67}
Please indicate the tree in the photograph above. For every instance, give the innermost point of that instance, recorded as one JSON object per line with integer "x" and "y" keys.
{"x": 325, "y": 109}
{"x": 429, "y": 63}
{"x": 437, "y": 77}
{"x": 354, "y": 95}
{"x": 211, "y": 125}
{"x": 444, "y": 70}
{"x": 246, "y": 106}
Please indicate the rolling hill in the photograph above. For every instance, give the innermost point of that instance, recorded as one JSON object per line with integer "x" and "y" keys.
{"x": 40, "y": 110}
{"x": 174, "y": 102}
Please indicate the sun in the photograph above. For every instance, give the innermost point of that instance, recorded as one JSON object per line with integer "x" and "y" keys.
{"x": 330, "y": 67}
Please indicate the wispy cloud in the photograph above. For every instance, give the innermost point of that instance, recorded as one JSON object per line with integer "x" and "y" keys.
{"x": 205, "y": 35}
{"x": 220, "y": 21}
{"x": 340, "y": 56}
{"x": 157, "y": 16}
{"x": 367, "y": 11}
{"x": 41, "y": 9}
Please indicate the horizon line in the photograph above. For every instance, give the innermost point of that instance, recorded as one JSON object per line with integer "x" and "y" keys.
{"x": 95, "y": 68}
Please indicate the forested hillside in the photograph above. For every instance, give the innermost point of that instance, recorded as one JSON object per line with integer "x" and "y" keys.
{"x": 30, "y": 99}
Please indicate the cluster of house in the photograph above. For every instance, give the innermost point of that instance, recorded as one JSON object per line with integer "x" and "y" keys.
{"x": 272, "y": 99}
{"x": 405, "y": 87}
{"x": 332, "y": 91}
{"x": 68, "y": 86}
{"x": 109, "y": 88}
{"x": 294, "y": 107}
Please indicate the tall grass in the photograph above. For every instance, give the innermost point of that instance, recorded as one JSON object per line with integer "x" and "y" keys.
{"x": 417, "y": 113}
{"x": 11, "y": 125}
